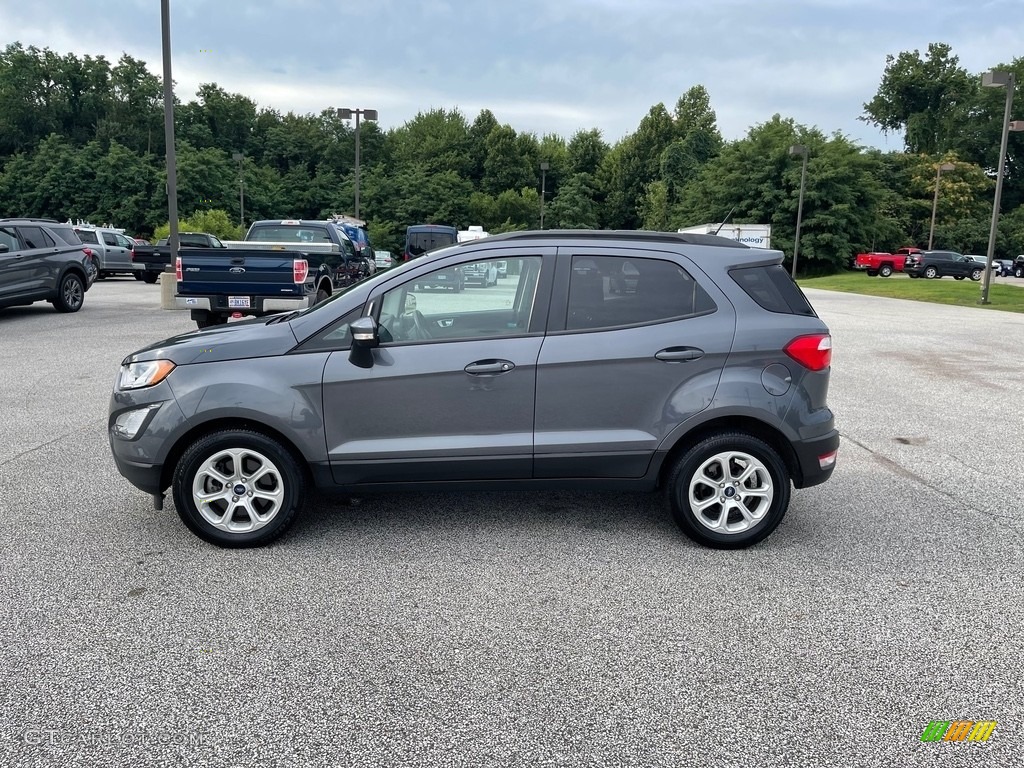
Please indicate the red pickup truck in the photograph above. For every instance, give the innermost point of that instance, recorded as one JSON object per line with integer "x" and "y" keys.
{"x": 883, "y": 264}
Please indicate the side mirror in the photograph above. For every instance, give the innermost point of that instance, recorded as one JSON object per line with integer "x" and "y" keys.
{"x": 4, "y": 248}
{"x": 365, "y": 337}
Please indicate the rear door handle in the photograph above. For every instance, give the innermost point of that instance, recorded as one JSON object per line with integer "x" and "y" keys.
{"x": 680, "y": 354}
{"x": 489, "y": 367}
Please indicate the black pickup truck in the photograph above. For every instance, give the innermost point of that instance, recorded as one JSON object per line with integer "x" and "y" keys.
{"x": 292, "y": 264}
{"x": 150, "y": 260}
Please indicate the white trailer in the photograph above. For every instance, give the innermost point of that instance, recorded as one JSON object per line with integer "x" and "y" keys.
{"x": 472, "y": 233}
{"x": 754, "y": 235}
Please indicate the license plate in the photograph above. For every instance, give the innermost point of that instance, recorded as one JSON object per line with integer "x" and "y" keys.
{"x": 238, "y": 302}
{"x": 442, "y": 277}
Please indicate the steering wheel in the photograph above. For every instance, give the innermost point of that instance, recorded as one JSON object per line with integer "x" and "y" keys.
{"x": 419, "y": 326}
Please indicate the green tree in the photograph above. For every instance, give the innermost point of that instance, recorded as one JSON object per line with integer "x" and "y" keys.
{"x": 927, "y": 99}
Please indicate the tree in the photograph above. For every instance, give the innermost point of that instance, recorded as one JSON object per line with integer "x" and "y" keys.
{"x": 215, "y": 222}
{"x": 928, "y": 99}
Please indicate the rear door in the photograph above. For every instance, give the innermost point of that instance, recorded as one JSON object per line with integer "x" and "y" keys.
{"x": 15, "y": 266}
{"x": 636, "y": 344}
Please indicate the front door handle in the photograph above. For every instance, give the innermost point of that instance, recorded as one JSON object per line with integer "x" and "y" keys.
{"x": 489, "y": 367}
{"x": 680, "y": 354}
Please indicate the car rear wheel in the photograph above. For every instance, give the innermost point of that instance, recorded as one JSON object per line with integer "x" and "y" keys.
{"x": 238, "y": 488}
{"x": 729, "y": 491}
{"x": 150, "y": 277}
{"x": 885, "y": 270}
{"x": 70, "y": 294}
{"x": 931, "y": 273}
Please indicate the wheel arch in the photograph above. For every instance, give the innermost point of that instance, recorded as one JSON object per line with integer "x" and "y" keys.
{"x": 199, "y": 431}
{"x": 750, "y": 425}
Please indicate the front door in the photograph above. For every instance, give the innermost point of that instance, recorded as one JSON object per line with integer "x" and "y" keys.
{"x": 450, "y": 392}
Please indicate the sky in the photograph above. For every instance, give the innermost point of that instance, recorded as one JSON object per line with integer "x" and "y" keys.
{"x": 542, "y": 66}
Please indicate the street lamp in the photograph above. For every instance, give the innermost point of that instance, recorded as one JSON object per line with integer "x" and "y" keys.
{"x": 172, "y": 168}
{"x": 799, "y": 149}
{"x": 543, "y": 189}
{"x": 239, "y": 158}
{"x": 347, "y": 114}
{"x": 998, "y": 79}
{"x": 935, "y": 200}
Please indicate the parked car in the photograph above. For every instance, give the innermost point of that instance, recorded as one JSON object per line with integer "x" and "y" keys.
{"x": 1005, "y": 267}
{"x": 111, "y": 248}
{"x": 43, "y": 260}
{"x": 709, "y": 383}
{"x": 151, "y": 260}
{"x": 383, "y": 259}
{"x": 1018, "y": 266}
{"x": 983, "y": 260}
{"x": 485, "y": 273}
{"x": 934, "y": 264}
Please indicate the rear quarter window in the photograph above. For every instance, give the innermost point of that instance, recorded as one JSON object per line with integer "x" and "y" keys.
{"x": 773, "y": 289}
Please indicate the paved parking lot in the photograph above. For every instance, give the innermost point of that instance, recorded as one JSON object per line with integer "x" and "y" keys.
{"x": 493, "y": 629}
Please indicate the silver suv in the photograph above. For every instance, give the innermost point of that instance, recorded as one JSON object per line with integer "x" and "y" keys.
{"x": 706, "y": 379}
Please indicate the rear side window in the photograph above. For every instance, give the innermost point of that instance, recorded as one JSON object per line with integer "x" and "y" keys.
{"x": 34, "y": 237}
{"x": 67, "y": 234}
{"x": 773, "y": 288}
{"x": 610, "y": 291}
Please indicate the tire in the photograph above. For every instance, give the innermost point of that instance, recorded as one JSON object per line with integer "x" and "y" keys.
{"x": 913, "y": 276}
{"x": 321, "y": 295}
{"x": 976, "y": 275}
{"x": 885, "y": 270}
{"x": 1018, "y": 272}
{"x": 931, "y": 273}
{"x": 694, "y": 475}
{"x": 138, "y": 276}
{"x": 245, "y": 519}
{"x": 150, "y": 277}
{"x": 70, "y": 293}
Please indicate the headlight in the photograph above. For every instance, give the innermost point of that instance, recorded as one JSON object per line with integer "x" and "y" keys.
{"x": 139, "y": 375}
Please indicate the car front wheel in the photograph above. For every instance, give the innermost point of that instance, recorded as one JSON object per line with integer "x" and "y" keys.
{"x": 729, "y": 491}
{"x": 237, "y": 488}
{"x": 976, "y": 275}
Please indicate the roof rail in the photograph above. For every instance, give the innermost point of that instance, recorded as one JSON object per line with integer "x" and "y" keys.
{"x": 620, "y": 234}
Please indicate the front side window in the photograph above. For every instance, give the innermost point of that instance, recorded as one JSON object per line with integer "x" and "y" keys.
{"x": 439, "y": 306}
{"x": 610, "y": 291}
{"x": 9, "y": 237}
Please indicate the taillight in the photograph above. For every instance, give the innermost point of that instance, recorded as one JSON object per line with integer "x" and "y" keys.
{"x": 177, "y": 268}
{"x": 300, "y": 269}
{"x": 813, "y": 352}
{"x": 88, "y": 252}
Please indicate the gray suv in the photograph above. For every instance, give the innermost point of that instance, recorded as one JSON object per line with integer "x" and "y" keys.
{"x": 706, "y": 379}
{"x": 43, "y": 260}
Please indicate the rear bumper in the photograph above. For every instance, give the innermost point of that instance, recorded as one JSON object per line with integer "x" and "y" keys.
{"x": 812, "y": 455}
{"x": 259, "y": 304}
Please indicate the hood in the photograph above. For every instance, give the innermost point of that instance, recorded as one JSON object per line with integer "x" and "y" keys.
{"x": 234, "y": 341}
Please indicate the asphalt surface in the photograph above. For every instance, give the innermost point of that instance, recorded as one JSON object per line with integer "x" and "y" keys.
{"x": 491, "y": 629}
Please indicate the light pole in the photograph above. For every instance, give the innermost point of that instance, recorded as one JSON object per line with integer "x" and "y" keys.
{"x": 799, "y": 149}
{"x": 239, "y": 158}
{"x": 543, "y": 189}
{"x": 172, "y": 168}
{"x": 346, "y": 114}
{"x": 935, "y": 200}
{"x": 997, "y": 79}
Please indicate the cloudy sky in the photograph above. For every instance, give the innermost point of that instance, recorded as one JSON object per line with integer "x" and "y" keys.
{"x": 546, "y": 66}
